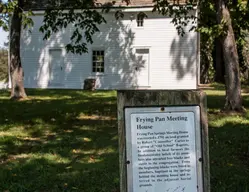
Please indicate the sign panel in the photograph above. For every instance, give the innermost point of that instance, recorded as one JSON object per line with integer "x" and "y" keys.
{"x": 163, "y": 149}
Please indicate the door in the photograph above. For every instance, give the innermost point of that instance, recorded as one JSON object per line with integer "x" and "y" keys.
{"x": 57, "y": 68}
{"x": 142, "y": 66}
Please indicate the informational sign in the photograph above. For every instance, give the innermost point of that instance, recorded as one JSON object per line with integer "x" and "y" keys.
{"x": 163, "y": 149}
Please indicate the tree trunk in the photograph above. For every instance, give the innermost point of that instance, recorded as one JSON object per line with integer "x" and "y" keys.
{"x": 231, "y": 60}
{"x": 16, "y": 70}
{"x": 204, "y": 77}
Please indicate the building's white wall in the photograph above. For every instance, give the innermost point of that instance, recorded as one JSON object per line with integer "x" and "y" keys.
{"x": 173, "y": 59}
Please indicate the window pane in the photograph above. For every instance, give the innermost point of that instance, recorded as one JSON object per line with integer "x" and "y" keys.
{"x": 98, "y": 61}
{"x": 142, "y": 51}
{"x": 139, "y": 23}
{"x": 140, "y": 19}
{"x": 100, "y": 58}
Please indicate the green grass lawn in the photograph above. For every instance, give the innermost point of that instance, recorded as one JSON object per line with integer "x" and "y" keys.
{"x": 229, "y": 145}
{"x": 66, "y": 140}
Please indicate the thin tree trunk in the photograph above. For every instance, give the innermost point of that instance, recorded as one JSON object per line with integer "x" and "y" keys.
{"x": 16, "y": 70}
{"x": 205, "y": 61}
{"x": 204, "y": 77}
{"x": 231, "y": 60}
{"x": 219, "y": 62}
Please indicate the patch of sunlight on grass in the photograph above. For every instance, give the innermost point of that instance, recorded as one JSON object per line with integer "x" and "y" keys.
{"x": 96, "y": 156}
{"x": 54, "y": 158}
{"x": 87, "y": 128}
{"x": 49, "y": 157}
{"x": 221, "y": 92}
{"x": 221, "y": 121}
{"x": 92, "y": 159}
{"x": 115, "y": 137}
{"x": 15, "y": 131}
{"x": 83, "y": 116}
{"x": 215, "y": 92}
{"x": 84, "y": 152}
{"x": 17, "y": 143}
{"x": 44, "y": 98}
{"x": 104, "y": 93}
{"x": 106, "y": 151}
{"x": 4, "y": 98}
{"x": 87, "y": 139}
{"x": 213, "y": 110}
{"x": 245, "y": 93}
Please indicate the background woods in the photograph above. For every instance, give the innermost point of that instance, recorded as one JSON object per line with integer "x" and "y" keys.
{"x": 3, "y": 64}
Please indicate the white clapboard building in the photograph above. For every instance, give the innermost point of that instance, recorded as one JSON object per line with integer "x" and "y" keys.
{"x": 126, "y": 54}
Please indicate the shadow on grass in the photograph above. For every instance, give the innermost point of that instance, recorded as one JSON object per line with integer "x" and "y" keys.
{"x": 218, "y": 86}
{"x": 56, "y": 110}
{"x": 66, "y": 141}
{"x": 4, "y": 93}
{"x": 215, "y": 102}
{"x": 218, "y": 101}
{"x": 229, "y": 151}
{"x": 43, "y": 174}
{"x": 229, "y": 155}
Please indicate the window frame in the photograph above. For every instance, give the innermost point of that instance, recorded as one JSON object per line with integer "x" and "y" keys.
{"x": 94, "y": 62}
{"x": 140, "y": 19}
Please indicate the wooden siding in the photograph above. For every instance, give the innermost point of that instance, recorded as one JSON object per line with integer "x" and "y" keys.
{"x": 173, "y": 60}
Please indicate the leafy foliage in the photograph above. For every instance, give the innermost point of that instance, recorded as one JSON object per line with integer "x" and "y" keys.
{"x": 209, "y": 30}
{"x": 85, "y": 20}
{"x": 81, "y": 17}
{"x": 4, "y": 19}
{"x": 3, "y": 64}
{"x": 6, "y": 8}
{"x": 240, "y": 15}
{"x": 182, "y": 13}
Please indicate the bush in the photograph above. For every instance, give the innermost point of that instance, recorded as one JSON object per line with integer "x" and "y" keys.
{"x": 3, "y": 64}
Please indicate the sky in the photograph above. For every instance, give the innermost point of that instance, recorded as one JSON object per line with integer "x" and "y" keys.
{"x": 3, "y": 37}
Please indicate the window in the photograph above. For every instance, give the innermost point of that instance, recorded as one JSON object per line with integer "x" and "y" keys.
{"x": 142, "y": 51}
{"x": 140, "y": 19}
{"x": 98, "y": 61}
